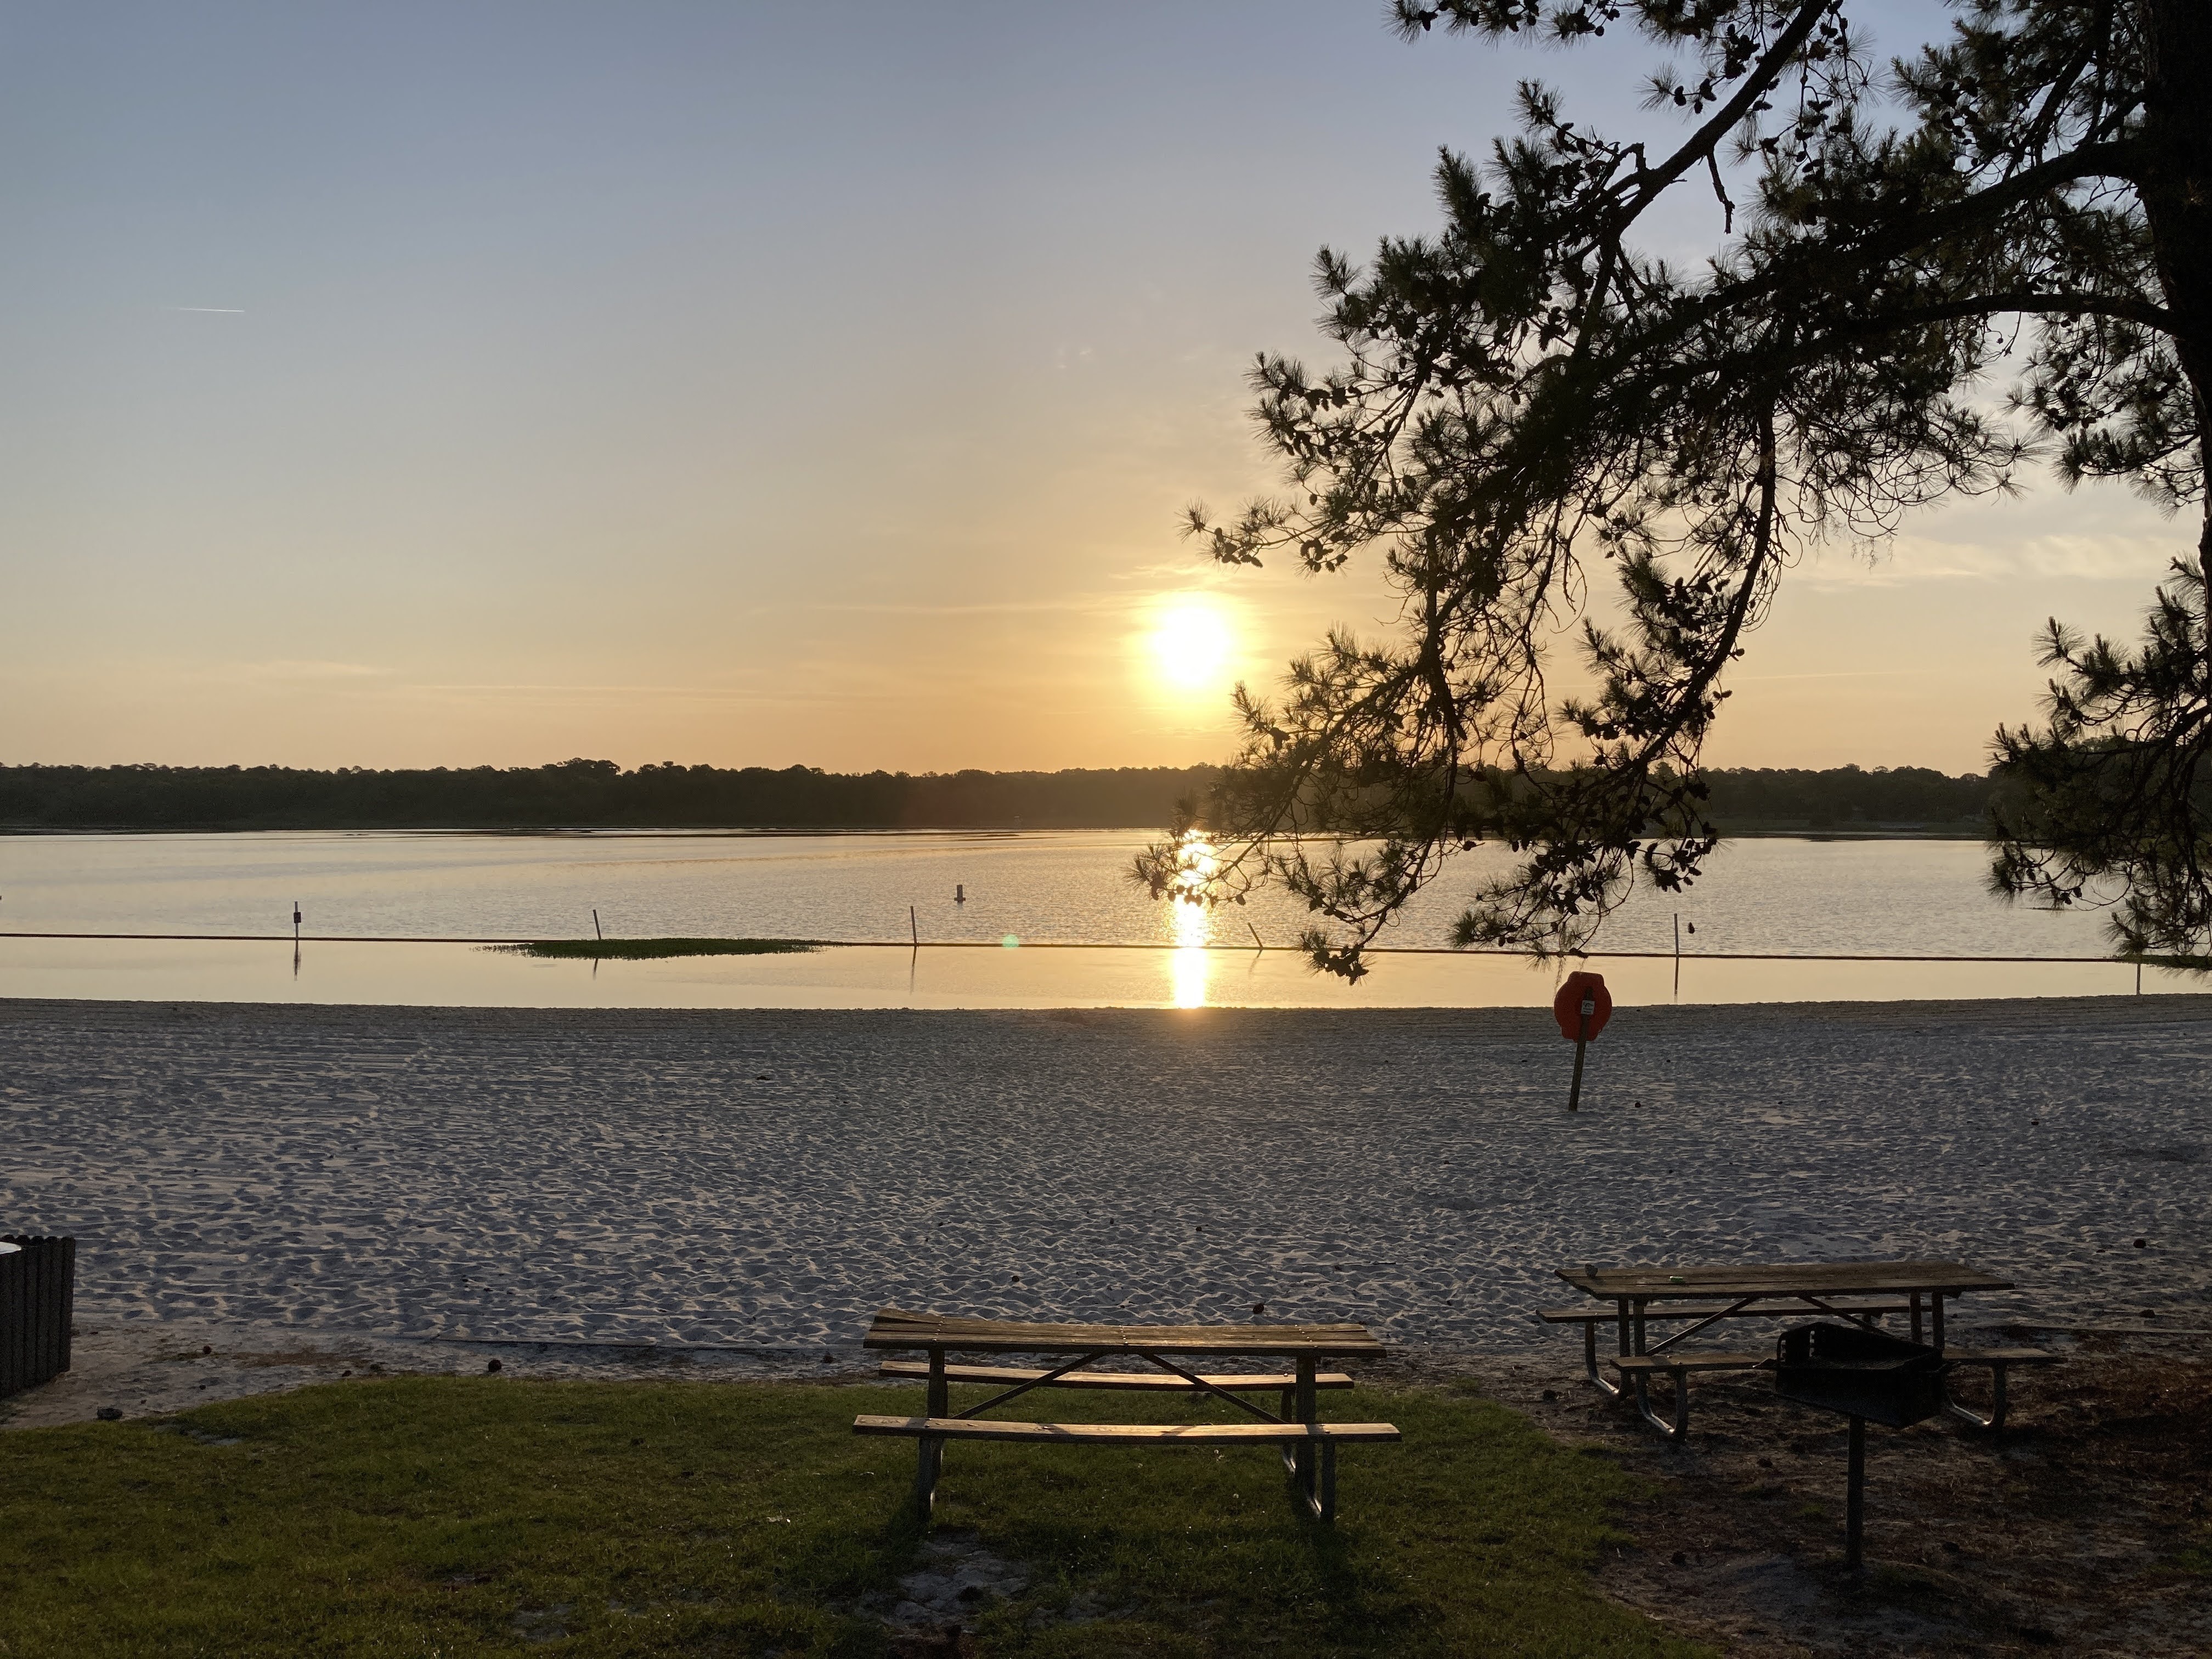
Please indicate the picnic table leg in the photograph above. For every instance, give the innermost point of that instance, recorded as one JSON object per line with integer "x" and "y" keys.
{"x": 1996, "y": 1420}
{"x": 1308, "y": 1410}
{"x": 932, "y": 1454}
{"x": 1916, "y": 1316}
{"x": 1590, "y": 1359}
{"x": 1935, "y": 1303}
{"x": 1635, "y": 1332}
{"x": 1590, "y": 1348}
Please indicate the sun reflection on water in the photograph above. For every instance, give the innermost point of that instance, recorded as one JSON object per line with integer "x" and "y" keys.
{"x": 1191, "y": 921}
{"x": 1193, "y": 926}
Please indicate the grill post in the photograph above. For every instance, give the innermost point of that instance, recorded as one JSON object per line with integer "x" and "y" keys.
{"x": 1855, "y": 1499}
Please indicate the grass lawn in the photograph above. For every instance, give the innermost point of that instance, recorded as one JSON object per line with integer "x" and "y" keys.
{"x": 639, "y": 950}
{"x": 456, "y": 1516}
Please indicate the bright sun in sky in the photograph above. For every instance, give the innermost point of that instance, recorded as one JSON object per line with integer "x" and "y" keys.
{"x": 1190, "y": 646}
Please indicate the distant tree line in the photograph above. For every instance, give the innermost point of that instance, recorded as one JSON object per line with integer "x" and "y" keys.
{"x": 586, "y": 793}
{"x": 599, "y": 793}
{"x": 1903, "y": 797}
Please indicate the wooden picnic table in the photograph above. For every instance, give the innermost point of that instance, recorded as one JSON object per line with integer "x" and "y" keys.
{"x": 1819, "y": 1285}
{"x": 1309, "y": 1444}
{"x": 1735, "y": 1291}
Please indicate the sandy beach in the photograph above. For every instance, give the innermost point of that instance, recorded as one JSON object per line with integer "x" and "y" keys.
{"x": 757, "y": 1183}
{"x": 266, "y": 1196}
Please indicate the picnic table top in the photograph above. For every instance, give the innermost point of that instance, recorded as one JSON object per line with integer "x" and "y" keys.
{"x": 895, "y": 1328}
{"x": 1780, "y": 1278}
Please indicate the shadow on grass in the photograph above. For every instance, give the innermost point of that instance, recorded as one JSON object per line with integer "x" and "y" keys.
{"x": 466, "y": 1515}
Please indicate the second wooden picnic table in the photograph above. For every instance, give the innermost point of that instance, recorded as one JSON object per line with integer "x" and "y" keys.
{"x": 1816, "y": 1286}
{"x": 1309, "y": 1444}
{"x": 1839, "y": 1290}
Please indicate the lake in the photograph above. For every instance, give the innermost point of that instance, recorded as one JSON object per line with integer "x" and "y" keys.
{"x": 1785, "y": 897}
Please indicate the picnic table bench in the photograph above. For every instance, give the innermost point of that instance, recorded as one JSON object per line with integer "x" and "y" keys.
{"x": 1590, "y": 1317}
{"x": 1309, "y": 1445}
{"x": 1860, "y": 1292}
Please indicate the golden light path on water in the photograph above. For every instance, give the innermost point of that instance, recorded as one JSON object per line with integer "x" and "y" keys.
{"x": 1191, "y": 921}
{"x": 1193, "y": 926}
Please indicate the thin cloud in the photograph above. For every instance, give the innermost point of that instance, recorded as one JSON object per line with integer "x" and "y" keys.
{"x": 1850, "y": 674}
{"x": 718, "y": 694}
{"x": 288, "y": 669}
{"x": 2124, "y": 557}
{"x": 980, "y": 608}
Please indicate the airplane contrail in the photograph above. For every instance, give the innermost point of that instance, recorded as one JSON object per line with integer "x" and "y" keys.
{"x": 223, "y": 311}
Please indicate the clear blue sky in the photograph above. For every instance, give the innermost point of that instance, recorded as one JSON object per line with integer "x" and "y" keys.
{"x": 445, "y": 384}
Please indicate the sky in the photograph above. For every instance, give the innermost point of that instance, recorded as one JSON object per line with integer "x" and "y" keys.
{"x": 484, "y": 383}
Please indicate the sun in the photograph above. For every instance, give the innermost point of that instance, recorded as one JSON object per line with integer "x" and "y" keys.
{"x": 1190, "y": 646}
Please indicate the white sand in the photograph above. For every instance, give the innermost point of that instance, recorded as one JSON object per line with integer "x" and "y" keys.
{"x": 764, "y": 1180}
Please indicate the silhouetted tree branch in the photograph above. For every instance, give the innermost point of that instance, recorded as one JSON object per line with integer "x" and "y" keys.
{"x": 1524, "y": 395}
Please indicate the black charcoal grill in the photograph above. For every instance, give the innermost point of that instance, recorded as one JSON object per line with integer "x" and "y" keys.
{"x": 1857, "y": 1372}
{"x": 1867, "y": 1376}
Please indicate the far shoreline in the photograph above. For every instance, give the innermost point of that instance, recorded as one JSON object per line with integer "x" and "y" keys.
{"x": 1875, "y": 832}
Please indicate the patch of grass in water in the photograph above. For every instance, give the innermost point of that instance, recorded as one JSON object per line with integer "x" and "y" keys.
{"x": 461, "y": 1516}
{"x": 639, "y": 950}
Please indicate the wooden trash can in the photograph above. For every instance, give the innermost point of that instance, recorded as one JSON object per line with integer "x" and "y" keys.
{"x": 38, "y": 1297}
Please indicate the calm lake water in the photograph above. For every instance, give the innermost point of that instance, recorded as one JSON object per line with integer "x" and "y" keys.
{"x": 1786, "y": 897}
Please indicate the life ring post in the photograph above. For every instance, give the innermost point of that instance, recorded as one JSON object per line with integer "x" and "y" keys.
{"x": 1582, "y": 1008}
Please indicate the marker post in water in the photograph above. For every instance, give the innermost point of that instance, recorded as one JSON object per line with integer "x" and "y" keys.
{"x": 1582, "y": 1007}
